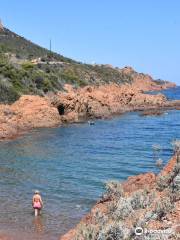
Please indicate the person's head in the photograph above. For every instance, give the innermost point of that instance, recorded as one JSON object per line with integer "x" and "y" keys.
{"x": 36, "y": 192}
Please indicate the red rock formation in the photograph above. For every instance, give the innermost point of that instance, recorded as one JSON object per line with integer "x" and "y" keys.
{"x": 104, "y": 101}
{"x": 135, "y": 183}
{"x": 27, "y": 113}
{"x": 76, "y": 105}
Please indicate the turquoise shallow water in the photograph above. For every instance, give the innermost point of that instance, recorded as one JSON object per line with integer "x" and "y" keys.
{"x": 69, "y": 165}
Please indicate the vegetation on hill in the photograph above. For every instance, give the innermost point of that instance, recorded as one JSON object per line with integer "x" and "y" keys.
{"x": 24, "y": 49}
{"x": 26, "y": 68}
{"x": 49, "y": 71}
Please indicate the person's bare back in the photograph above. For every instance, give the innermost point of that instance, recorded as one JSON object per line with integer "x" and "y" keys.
{"x": 37, "y": 202}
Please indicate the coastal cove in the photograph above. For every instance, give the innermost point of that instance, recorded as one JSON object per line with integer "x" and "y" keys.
{"x": 70, "y": 165}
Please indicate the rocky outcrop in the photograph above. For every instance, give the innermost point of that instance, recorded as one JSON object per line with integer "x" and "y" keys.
{"x": 145, "y": 82}
{"x": 27, "y": 113}
{"x": 77, "y": 105}
{"x": 103, "y": 101}
{"x": 148, "y": 202}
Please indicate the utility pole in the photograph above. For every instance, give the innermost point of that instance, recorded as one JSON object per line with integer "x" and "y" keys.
{"x": 49, "y": 55}
{"x": 50, "y": 45}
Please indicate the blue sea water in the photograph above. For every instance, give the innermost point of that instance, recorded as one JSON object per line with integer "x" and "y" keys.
{"x": 70, "y": 165}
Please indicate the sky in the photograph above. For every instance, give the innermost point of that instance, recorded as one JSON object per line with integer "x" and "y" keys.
{"x": 144, "y": 34}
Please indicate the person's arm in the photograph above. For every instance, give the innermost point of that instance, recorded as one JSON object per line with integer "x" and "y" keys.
{"x": 41, "y": 201}
{"x": 33, "y": 201}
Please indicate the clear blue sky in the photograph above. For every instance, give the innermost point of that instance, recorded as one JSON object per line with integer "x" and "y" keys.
{"x": 144, "y": 34}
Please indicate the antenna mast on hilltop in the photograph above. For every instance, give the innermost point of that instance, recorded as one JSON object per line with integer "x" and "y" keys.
{"x": 50, "y": 45}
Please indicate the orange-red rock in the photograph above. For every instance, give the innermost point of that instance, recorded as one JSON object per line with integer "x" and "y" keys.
{"x": 76, "y": 105}
{"x": 27, "y": 113}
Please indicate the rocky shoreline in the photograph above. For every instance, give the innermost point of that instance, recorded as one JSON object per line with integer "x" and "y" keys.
{"x": 92, "y": 102}
{"x": 79, "y": 105}
{"x": 149, "y": 202}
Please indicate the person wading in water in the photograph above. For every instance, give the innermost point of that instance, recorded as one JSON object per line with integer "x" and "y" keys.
{"x": 37, "y": 203}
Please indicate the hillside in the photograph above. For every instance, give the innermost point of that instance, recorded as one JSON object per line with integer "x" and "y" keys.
{"x": 26, "y": 68}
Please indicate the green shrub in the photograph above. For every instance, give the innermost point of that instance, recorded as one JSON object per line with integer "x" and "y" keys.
{"x": 114, "y": 190}
{"x": 8, "y": 94}
{"x": 86, "y": 232}
{"x": 114, "y": 231}
{"x": 163, "y": 182}
{"x": 163, "y": 207}
{"x": 123, "y": 209}
{"x": 27, "y": 66}
{"x": 142, "y": 199}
